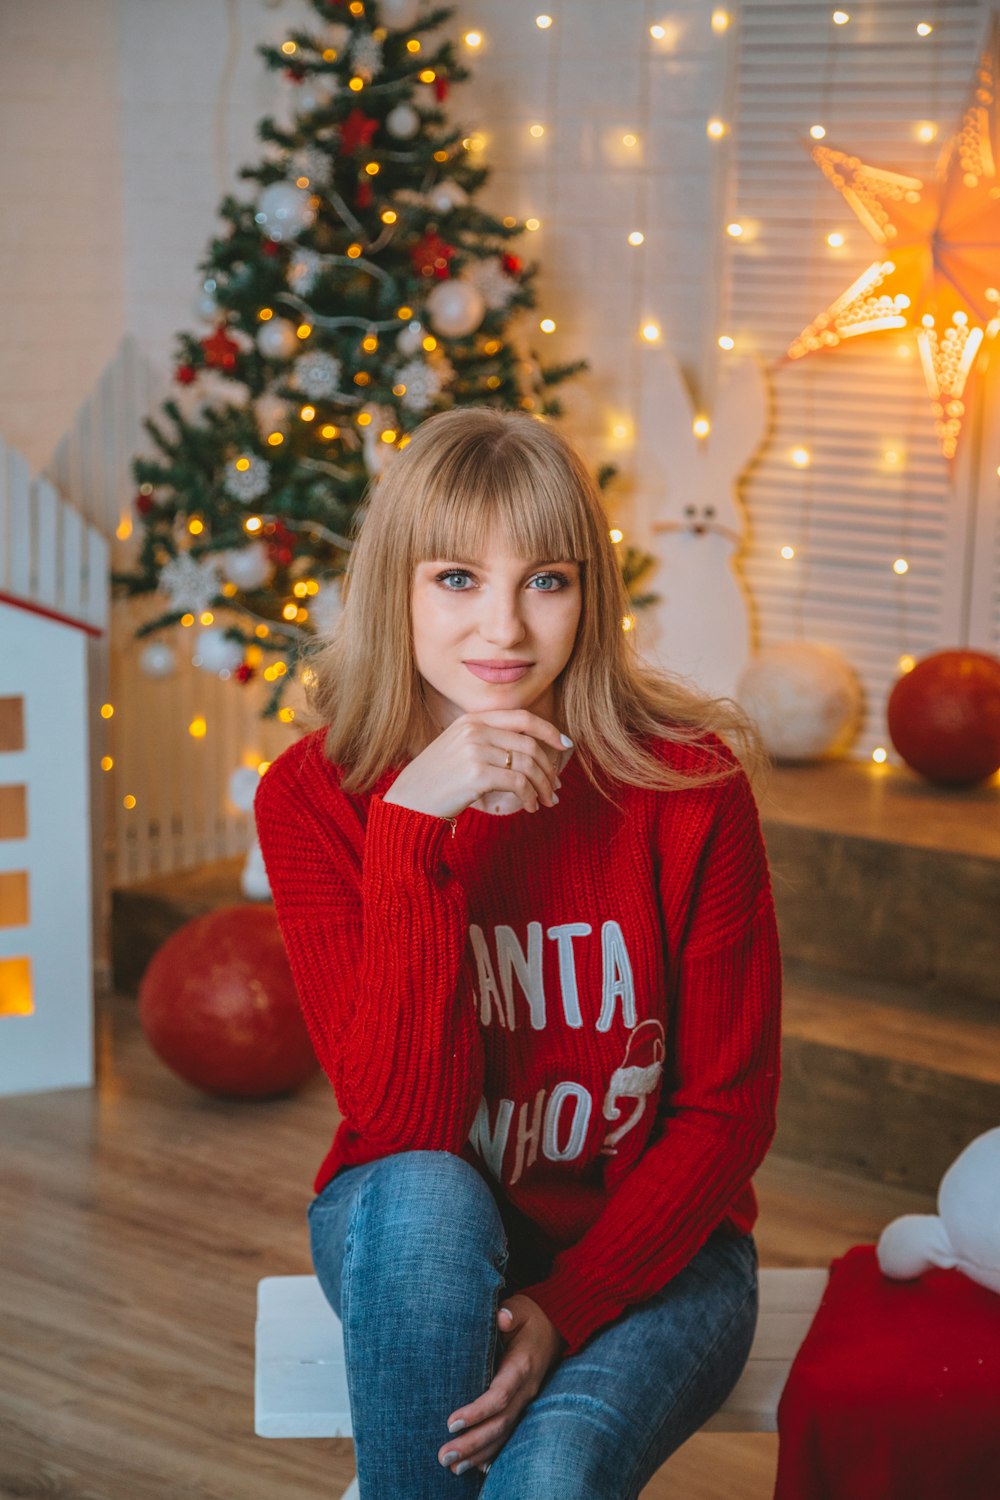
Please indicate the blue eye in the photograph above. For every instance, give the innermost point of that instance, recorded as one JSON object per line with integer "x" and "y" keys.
{"x": 562, "y": 581}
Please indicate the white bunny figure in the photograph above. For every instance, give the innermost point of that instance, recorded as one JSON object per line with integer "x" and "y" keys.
{"x": 965, "y": 1232}
{"x": 702, "y": 623}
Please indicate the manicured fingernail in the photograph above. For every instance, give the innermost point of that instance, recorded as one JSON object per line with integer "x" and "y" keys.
{"x": 555, "y": 797}
{"x": 566, "y": 740}
{"x": 461, "y": 1468}
{"x": 456, "y": 1426}
{"x": 449, "y": 1458}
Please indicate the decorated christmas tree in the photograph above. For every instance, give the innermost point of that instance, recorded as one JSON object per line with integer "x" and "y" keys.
{"x": 358, "y": 290}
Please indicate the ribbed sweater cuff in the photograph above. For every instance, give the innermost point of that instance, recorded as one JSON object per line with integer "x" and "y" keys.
{"x": 409, "y": 843}
{"x": 576, "y": 1310}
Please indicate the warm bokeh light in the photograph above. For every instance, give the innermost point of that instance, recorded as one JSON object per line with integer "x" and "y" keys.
{"x": 900, "y": 565}
{"x": 817, "y": 132}
{"x": 636, "y": 237}
{"x": 734, "y": 230}
{"x": 701, "y": 427}
{"x": 473, "y": 39}
{"x": 880, "y": 755}
{"x": 651, "y": 332}
{"x": 720, "y": 20}
{"x": 800, "y": 457}
{"x": 725, "y": 342}
{"x": 788, "y": 553}
{"x": 835, "y": 239}
{"x": 198, "y": 728}
{"x": 715, "y": 129}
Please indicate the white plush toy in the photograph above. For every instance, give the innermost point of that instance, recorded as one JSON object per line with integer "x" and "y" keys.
{"x": 702, "y": 622}
{"x": 965, "y": 1234}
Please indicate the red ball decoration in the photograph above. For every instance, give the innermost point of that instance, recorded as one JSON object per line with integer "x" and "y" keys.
{"x": 363, "y": 196}
{"x": 441, "y": 87}
{"x": 512, "y": 265}
{"x": 218, "y": 1005}
{"x": 944, "y": 717}
{"x": 143, "y": 503}
{"x": 245, "y": 672}
{"x": 269, "y": 246}
{"x": 185, "y": 374}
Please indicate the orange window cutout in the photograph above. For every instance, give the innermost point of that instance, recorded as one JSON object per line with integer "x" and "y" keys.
{"x": 14, "y": 898}
{"x": 15, "y": 987}
{"x": 12, "y": 723}
{"x": 14, "y": 811}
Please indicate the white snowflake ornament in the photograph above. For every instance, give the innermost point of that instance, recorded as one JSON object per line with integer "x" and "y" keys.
{"x": 366, "y": 55}
{"x": 312, "y": 163}
{"x": 423, "y": 381}
{"x": 493, "y": 283}
{"x": 190, "y": 585}
{"x": 317, "y": 375}
{"x": 303, "y": 271}
{"x": 247, "y": 478}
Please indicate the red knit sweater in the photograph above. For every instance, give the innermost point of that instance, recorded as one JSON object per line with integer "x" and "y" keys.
{"x": 582, "y": 1003}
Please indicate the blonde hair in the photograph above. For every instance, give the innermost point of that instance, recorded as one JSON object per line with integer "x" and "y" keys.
{"x": 464, "y": 473}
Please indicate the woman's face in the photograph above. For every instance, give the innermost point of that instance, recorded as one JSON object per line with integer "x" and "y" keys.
{"x": 497, "y": 609}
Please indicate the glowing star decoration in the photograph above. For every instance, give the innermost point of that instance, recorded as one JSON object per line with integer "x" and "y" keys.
{"x": 939, "y": 273}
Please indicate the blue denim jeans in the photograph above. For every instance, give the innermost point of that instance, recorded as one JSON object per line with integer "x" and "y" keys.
{"x": 411, "y": 1252}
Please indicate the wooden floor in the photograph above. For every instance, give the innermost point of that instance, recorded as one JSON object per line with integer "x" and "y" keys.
{"x": 135, "y": 1221}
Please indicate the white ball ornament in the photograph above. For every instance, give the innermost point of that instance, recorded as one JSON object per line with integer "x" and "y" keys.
{"x": 158, "y": 660}
{"x": 284, "y": 210}
{"x": 805, "y": 698}
{"x": 411, "y": 338}
{"x": 447, "y": 195}
{"x": 403, "y": 122}
{"x": 399, "y": 14}
{"x": 273, "y": 414}
{"x": 455, "y": 308}
{"x": 213, "y": 652}
{"x": 277, "y": 339}
{"x": 243, "y": 784}
{"x": 248, "y": 567}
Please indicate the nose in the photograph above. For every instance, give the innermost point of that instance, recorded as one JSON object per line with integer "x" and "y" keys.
{"x": 502, "y": 623}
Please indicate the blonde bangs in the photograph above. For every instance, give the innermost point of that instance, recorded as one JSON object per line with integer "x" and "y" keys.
{"x": 515, "y": 491}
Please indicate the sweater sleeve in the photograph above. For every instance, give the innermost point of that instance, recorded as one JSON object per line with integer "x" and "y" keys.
{"x": 375, "y": 938}
{"x": 717, "y": 1113}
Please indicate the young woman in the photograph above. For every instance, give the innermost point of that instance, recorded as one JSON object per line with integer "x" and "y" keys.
{"x": 521, "y": 882}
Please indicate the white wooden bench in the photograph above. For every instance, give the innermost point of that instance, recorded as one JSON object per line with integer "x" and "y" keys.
{"x": 301, "y": 1380}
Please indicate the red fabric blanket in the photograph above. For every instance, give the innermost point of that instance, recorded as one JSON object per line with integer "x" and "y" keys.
{"x": 895, "y": 1393}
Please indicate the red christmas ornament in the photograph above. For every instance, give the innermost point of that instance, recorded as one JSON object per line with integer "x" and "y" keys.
{"x": 356, "y": 131}
{"x": 220, "y": 350}
{"x": 245, "y": 672}
{"x": 944, "y": 717}
{"x": 184, "y": 374}
{"x": 363, "y": 196}
{"x": 269, "y": 246}
{"x": 280, "y": 543}
{"x": 218, "y": 1005}
{"x": 441, "y": 87}
{"x": 430, "y": 256}
{"x": 511, "y": 265}
{"x": 294, "y": 74}
{"x": 143, "y": 503}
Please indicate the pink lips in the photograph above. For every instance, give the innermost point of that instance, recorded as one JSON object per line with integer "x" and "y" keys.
{"x": 497, "y": 674}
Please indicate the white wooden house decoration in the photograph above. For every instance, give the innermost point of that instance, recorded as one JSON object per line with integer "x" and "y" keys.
{"x": 53, "y": 598}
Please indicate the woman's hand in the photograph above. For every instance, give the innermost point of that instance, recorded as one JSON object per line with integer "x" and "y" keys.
{"x": 468, "y": 760}
{"x": 533, "y": 1346}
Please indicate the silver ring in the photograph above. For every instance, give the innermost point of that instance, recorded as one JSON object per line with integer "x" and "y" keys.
{"x": 509, "y": 761}
{"x": 487, "y": 1467}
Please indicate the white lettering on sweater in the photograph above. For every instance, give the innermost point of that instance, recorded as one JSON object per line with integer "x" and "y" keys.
{"x": 497, "y": 998}
{"x": 567, "y": 1109}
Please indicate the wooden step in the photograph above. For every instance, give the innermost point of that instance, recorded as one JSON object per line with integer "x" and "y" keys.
{"x": 877, "y": 873}
{"x": 882, "y": 1079}
{"x": 145, "y": 914}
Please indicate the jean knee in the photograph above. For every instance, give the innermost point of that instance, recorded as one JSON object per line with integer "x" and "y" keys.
{"x": 421, "y": 1215}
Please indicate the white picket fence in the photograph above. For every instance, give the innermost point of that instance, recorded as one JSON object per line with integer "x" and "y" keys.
{"x": 181, "y": 816}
